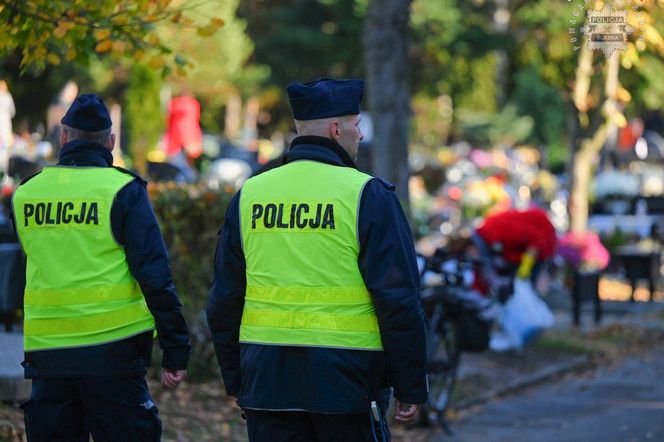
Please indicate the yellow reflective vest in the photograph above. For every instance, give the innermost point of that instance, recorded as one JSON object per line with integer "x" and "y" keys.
{"x": 300, "y": 242}
{"x": 79, "y": 290}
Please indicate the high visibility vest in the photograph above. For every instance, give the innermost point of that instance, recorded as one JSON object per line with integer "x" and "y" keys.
{"x": 79, "y": 290}
{"x": 300, "y": 243}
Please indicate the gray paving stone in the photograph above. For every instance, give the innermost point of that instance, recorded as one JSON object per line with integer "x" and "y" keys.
{"x": 13, "y": 387}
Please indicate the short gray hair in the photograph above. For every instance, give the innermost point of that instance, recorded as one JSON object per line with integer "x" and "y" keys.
{"x": 100, "y": 136}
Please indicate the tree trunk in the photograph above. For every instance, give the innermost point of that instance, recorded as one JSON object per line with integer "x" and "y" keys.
{"x": 250, "y": 132}
{"x": 116, "y": 117}
{"x": 581, "y": 160}
{"x": 386, "y": 51}
{"x": 583, "y": 164}
{"x": 585, "y": 158}
{"x": 233, "y": 117}
{"x": 501, "y": 24}
{"x": 612, "y": 108}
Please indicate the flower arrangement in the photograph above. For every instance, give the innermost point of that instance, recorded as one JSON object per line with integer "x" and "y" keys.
{"x": 481, "y": 197}
{"x": 583, "y": 251}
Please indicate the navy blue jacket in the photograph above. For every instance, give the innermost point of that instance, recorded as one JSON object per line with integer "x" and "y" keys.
{"x": 328, "y": 380}
{"x": 135, "y": 227}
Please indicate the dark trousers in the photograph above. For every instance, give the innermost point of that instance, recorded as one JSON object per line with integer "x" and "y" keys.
{"x": 300, "y": 426}
{"x": 112, "y": 409}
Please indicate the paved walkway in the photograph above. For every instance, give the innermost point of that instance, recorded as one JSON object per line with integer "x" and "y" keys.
{"x": 615, "y": 404}
{"x": 620, "y": 403}
{"x": 12, "y": 385}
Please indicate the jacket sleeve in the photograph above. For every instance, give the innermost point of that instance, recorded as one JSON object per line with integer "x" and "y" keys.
{"x": 226, "y": 302}
{"x": 135, "y": 227}
{"x": 388, "y": 265}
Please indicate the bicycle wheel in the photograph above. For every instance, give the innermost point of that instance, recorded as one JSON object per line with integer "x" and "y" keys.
{"x": 443, "y": 364}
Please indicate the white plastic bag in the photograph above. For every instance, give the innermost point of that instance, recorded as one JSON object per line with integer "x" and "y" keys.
{"x": 523, "y": 316}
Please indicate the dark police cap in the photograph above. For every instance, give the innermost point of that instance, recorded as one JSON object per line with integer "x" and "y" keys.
{"x": 87, "y": 113}
{"x": 325, "y": 98}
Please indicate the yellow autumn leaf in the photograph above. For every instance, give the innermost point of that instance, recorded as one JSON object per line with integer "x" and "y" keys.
{"x": 632, "y": 53}
{"x": 157, "y": 62}
{"x": 71, "y": 54}
{"x": 60, "y": 30}
{"x": 102, "y": 34}
{"x": 653, "y": 36}
{"x": 53, "y": 59}
{"x": 120, "y": 20}
{"x": 139, "y": 54}
{"x": 176, "y": 17}
{"x": 186, "y": 21}
{"x": 104, "y": 46}
{"x": 623, "y": 95}
{"x": 217, "y": 22}
{"x": 206, "y": 31}
{"x": 119, "y": 46}
{"x": 152, "y": 39}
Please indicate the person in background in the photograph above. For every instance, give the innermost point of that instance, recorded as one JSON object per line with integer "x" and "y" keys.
{"x": 7, "y": 112}
{"x": 315, "y": 309}
{"x": 98, "y": 283}
{"x": 184, "y": 140}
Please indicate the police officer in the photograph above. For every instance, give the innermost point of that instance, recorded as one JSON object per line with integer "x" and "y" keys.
{"x": 315, "y": 309}
{"x": 97, "y": 284}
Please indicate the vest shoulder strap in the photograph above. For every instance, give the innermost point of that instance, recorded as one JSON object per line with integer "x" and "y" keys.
{"x": 28, "y": 178}
{"x": 132, "y": 173}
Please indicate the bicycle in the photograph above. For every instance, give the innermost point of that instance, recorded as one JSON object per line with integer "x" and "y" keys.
{"x": 459, "y": 320}
{"x": 443, "y": 356}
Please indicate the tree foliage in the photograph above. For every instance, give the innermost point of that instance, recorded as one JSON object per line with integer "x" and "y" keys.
{"x": 52, "y": 32}
{"x": 301, "y": 40}
{"x": 219, "y": 64}
{"x": 304, "y": 39}
{"x": 143, "y": 117}
{"x": 457, "y": 50}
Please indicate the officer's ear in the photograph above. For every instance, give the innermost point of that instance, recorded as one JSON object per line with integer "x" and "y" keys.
{"x": 111, "y": 142}
{"x": 64, "y": 137}
{"x": 334, "y": 129}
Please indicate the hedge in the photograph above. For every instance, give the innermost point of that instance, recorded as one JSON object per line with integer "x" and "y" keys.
{"x": 190, "y": 218}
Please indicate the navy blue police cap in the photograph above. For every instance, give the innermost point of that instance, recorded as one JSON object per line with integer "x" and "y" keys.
{"x": 87, "y": 113}
{"x": 325, "y": 98}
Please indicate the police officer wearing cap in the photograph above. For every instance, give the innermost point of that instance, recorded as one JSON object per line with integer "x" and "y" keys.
{"x": 315, "y": 310}
{"x": 98, "y": 283}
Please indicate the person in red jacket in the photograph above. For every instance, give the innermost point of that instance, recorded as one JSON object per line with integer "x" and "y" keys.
{"x": 184, "y": 140}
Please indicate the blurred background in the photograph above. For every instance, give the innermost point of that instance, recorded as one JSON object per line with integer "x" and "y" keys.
{"x": 471, "y": 108}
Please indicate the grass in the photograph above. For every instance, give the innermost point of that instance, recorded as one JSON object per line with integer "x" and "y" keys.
{"x": 564, "y": 343}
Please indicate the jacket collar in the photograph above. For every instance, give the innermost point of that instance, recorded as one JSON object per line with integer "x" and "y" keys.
{"x": 85, "y": 153}
{"x": 324, "y": 150}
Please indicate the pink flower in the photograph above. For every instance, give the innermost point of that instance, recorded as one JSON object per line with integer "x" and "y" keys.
{"x": 583, "y": 250}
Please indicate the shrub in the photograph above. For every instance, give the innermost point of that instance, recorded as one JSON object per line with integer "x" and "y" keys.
{"x": 190, "y": 218}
